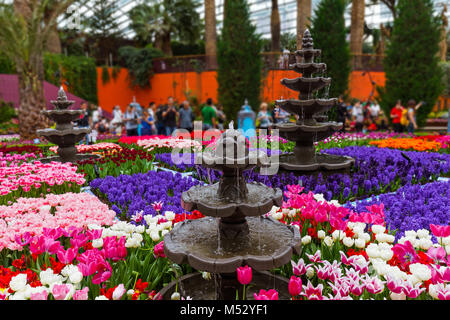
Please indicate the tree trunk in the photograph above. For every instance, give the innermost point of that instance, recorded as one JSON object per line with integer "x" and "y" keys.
{"x": 303, "y": 19}
{"x": 210, "y": 35}
{"x": 53, "y": 41}
{"x": 275, "y": 28}
{"x": 166, "y": 46}
{"x": 357, "y": 32}
{"x": 31, "y": 103}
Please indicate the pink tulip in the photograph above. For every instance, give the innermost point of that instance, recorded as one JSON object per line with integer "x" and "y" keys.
{"x": 118, "y": 292}
{"x": 295, "y": 286}
{"x": 39, "y": 295}
{"x": 412, "y": 291}
{"x": 299, "y": 268}
{"x": 313, "y": 293}
{"x": 443, "y": 293}
{"x": 374, "y": 285}
{"x": 67, "y": 256}
{"x": 158, "y": 250}
{"x": 266, "y": 295}
{"x": 314, "y": 258}
{"x": 81, "y": 294}
{"x": 437, "y": 254}
{"x": 60, "y": 291}
{"x": 394, "y": 285}
{"x": 94, "y": 234}
{"x": 440, "y": 231}
{"x": 244, "y": 275}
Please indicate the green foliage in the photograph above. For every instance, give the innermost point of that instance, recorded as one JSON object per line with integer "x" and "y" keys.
{"x": 288, "y": 41}
{"x": 328, "y": 32}
{"x": 179, "y": 19}
{"x": 7, "y": 111}
{"x": 445, "y": 66}
{"x": 184, "y": 49}
{"x": 239, "y": 60}
{"x": 411, "y": 63}
{"x": 6, "y": 65}
{"x": 105, "y": 75}
{"x": 139, "y": 64}
{"x": 78, "y": 71}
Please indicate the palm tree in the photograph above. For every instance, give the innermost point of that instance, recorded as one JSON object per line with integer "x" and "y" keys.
{"x": 357, "y": 31}
{"x": 165, "y": 20}
{"x": 303, "y": 19}
{"x": 210, "y": 34}
{"x": 24, "y": 32}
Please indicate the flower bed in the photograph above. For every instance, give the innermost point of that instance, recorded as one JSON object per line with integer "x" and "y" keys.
{"x": 376, "y": 171}
{"x": 93, "y": 148}
{"x": 413, "y": 207}
{"x": 13, "y": 159}
{"x": 34, "y": 215}
{"x": 114, "y": 163}
{"x": 22, "y": 149}
{"x": 150, "y": 192}
{"x": 408, "y": 144}
{"x": 34, "y": 179}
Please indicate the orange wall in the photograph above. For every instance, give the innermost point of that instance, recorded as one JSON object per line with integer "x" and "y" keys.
{"x": 204, "y": 85}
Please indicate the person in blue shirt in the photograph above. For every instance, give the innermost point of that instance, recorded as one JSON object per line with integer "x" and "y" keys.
{"x": 147, "y": 122}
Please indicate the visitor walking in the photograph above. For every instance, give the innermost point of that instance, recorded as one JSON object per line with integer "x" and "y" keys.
{"x": 264, "y": 117}
{"x": 411, "y": 115}
{"x": 396, "y": 116}
{"x": 84, "y": 121}
{"x": 358, "y": 116}
{"x": 131, "y": 119}
{"x": 209, "y": 115}
{"x": 186, "y": 116}
{"x": 169, "y": 116}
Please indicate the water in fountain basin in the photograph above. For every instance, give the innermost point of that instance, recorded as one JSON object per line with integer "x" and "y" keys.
{"x": 265, "y": 237}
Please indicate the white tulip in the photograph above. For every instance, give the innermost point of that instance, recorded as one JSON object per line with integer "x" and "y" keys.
{"x": 366, "y": 237}
{"x": 76, "y": 277}
{"x": 206, "y": 275}
{"x": 306, "y": 240}
{"x": 277, "y": 215}
{"x": 421, "y": 271}
{"x": 18, "y": 282}
{"x": 372, "y": 250}
{"x": 425, "y": 243}
{"x": 423, "y": 233}
{"x": 310, "y": 272}
{"x": 321, "y": 234}
{"x": 338, "y": 234}
{"x": 155, "y": 236}
{"x": 170, "y": 215}
{"x": 360, "y": 243}
{"x": 328, "y": 241}
{"x": 377, "y": 229}
{"x": 97, "y": 243}
{"x": 164, "y": 232}
{"x": 386, "y": 254}
{"x": 175, "y": 296}
{"x": 410, "y": 234}
{"x": 348, "y": 242}
{"x": 102, "y": 297}
{"x": 140, "y": 229}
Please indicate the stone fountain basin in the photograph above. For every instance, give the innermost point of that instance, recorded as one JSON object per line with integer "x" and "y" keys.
{"x": 194, "y": 286}
{"x": 322, "y": 161}
{"x": 64, "y": 138}
{"x": 62, "y": 116}
{"x": 306, "y": 84}
{"x": 220, "y": 162}
{"x": 269, "y": 244}
{"x": 306, "y": 108}
{"x": 307, "y": 133}
{"x": 260, "y": 200}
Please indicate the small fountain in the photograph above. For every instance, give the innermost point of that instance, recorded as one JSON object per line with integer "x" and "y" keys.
{"x": 312, "y": 125}
{"x": 64, "y": 135}
{"x": 234, "y": 232}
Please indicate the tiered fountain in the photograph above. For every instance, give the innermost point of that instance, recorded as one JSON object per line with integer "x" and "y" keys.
{"x": 64, "y": 135}
{"x": 312, "y": 125}
{"x": 234, "y": 232}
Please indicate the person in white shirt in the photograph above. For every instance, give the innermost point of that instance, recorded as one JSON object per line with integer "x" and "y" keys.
{"x": 116, "y": 122}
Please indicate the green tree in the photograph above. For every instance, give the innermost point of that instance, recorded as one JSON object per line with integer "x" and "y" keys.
{"x": 104, "y": 31}
{"x": 329, "y": 35}
{"x": 160, "y": 23}
{"x": 239, "y": 60}
{"x": 412, "y": 62}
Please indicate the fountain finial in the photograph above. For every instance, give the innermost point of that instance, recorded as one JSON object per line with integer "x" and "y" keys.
{"x": 231, "y": 125}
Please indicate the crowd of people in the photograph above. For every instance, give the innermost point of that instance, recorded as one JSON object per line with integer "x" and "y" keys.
{"x": 138, "y": 120}
{"x": 164, "y": 119}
